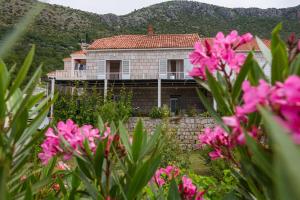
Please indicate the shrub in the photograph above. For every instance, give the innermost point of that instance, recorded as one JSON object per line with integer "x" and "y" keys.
{"x": 159, "y": 113}
{"x": 173, "y": 154}
{"x": 85, "y": 106}
{"x": 257, "y": 115}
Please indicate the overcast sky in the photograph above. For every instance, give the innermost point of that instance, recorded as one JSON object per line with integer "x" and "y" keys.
{"x": 121, "y": 7}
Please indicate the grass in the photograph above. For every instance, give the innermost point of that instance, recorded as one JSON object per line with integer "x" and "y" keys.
{"x": 198, "y": 164}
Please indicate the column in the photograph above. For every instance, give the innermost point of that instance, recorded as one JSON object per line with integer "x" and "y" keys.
{"x": 52, "y": 96}
{"x": 105, "y": 88}
{"x": 159, "y": 93}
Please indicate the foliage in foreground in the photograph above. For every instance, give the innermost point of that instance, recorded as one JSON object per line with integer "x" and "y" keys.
{"x": 18, "y": 136}
{"x": 258, "y": 128}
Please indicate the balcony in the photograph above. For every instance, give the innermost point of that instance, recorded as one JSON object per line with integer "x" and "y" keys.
{"x": 92, "y": 75}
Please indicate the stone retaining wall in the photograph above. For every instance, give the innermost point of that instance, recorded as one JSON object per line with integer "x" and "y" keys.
{"x": 187, "y": 128}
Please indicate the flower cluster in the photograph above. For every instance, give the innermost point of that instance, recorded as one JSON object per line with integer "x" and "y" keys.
{"x": 186, "y": 187}
{"x": 163, "y": 174}
{"x": 283, "y": 98}
{"x": 219, "y": 54}
{"x": 73, "y": 135}
{"x": 218, "y": 139}
{"x": 189, "y": 191}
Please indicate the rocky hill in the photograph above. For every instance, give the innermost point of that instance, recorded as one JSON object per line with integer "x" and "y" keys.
{"x": 58, "y": 30}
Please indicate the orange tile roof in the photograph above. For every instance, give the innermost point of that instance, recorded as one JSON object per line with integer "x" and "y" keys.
{"x": 67, "y": 59}
{"x": 252, "y": 45}
{"x": 80, "y": 52}
{"x": 146, "y": 41}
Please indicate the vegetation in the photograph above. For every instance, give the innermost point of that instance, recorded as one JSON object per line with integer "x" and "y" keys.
{"x": 58, "y": 30}
{"x": 257, "y": 135}
{"x": 83, "y": 105}
{"x": 159, "y": 113}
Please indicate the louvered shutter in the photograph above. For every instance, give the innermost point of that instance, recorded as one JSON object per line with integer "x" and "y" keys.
{"x": 163, "y": 68}
{"x": 101, "y": 69}
{"x": 187, "y": 68}
{"x": 125, "y": 69}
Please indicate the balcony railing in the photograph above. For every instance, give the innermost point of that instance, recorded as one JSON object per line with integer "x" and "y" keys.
{"x": 92, "y": 75}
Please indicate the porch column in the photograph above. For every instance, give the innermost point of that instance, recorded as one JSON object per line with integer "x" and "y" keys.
{"x": 159, "y": 93}
{"x": 105, "y": 88}
{"x": 52, "y": 96}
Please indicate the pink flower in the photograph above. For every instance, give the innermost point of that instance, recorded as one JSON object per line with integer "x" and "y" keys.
{"x": 168, "y": 173}
{"x": 72, "y": 134}
{"x": 219, "y": 55}
{"x": 187, "y": 188}
{"x": 254, "y": 96}
{"x": 246, "y": 38}
{"x": 218, "y": 139}
{"x": 199, "y": 195}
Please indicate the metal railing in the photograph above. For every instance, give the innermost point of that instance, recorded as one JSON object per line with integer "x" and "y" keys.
{"x": 93, "y": 75}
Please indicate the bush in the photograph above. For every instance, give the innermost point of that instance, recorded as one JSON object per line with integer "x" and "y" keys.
{"x": 159, "y": 113}
{"x": 85, "y": 106}
{"x": 173, "y": 154}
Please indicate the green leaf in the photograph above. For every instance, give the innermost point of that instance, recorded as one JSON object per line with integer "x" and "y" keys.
{"x": 91, "y": 189}
{"x": 265, "y": 50}
{"x": 137, "y": 140}
{"x": 19, "y": 126}
{"x": 33, "y": 81}
{"x": 98, "y": 159}
{"x": 285, "y": 151}
{"x": 237, "y": 87}
{"x": 295, "y": 66}
{"x": 125, "y": 140}
{"x": 279, "y": 64}
{"x": 4, "y": 170}
{"x": 100, "y": 124}
{"x": 4, "y": 81}
{"x": 28, "y": 194}
{"x": 256, "y": 73}
{"x": 154, "y": 140}
{"x": 62, "y": 186}
{"x": 217, "y": 93}
{"x": 84, "y": 166}
{"x": 259, "y": 156}
{"x": 142, "y": 176}
{"x": 173, "y": 191}
{"x": 22, "y": 72}
{"x": 276, "y": 37}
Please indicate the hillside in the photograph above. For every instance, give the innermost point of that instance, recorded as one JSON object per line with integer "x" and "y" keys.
{"x": 57, "y": 30}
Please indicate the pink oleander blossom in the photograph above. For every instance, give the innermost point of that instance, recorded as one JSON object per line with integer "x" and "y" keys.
{"x": 282, "y": 98}
{"x": 72, "y": 134}
{"x": 218, "y": 139}
{"x": 187, "y": 189}
{"x": 254, "y": 96}
{"x": 219, "y": 54}
{"x": 165, "y": 174}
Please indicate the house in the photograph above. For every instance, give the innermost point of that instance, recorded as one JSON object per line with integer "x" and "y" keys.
{"x": 154, "y": 66}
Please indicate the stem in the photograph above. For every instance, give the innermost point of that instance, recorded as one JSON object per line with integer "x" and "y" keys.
{"x": 227, "y": 76}
{"x": 107, "y": 174}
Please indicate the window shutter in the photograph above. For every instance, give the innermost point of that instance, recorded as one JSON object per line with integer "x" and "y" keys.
{"x": 125, "y": 69}
{"x": 101, "y": 69}
{"x": 163, "y": 68}
{"x": 187, "y": 68}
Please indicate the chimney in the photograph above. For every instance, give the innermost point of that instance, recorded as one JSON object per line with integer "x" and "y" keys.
{"x": 150, "y": 30}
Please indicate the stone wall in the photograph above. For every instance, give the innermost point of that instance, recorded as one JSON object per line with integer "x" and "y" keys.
{"x": 187, "y": 128}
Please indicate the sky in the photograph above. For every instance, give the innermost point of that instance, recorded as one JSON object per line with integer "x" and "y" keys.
{"x": 121, "y": 7}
